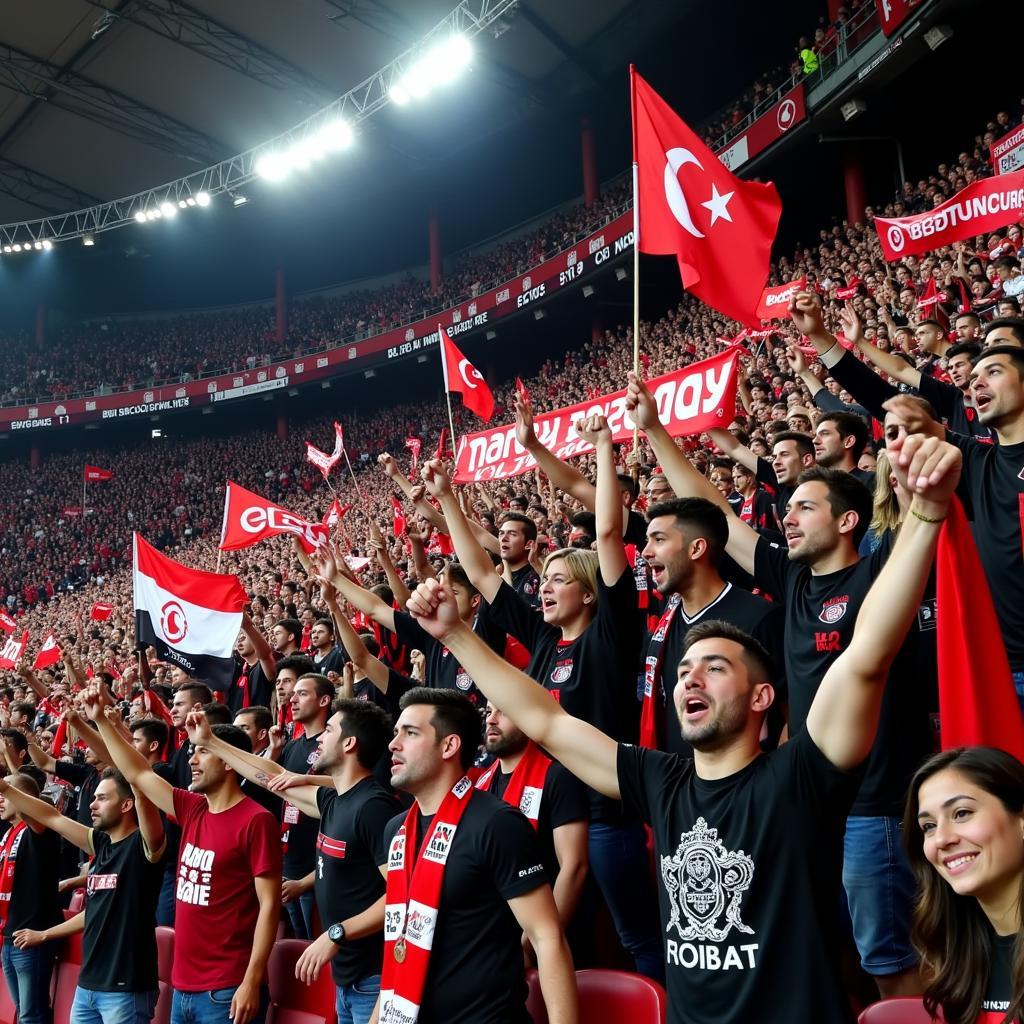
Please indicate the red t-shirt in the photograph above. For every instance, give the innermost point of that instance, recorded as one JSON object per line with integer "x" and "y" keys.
{"x": 217, "y": 908}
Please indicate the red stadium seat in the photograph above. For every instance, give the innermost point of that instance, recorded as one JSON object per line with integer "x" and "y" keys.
{"x": 69, "y": 965}
{"x": 534, "y": 1000}
{"x": 77, "y": 901}
{"x": 7, "y": 1011}
{"x": 291, "y": 1001}
{"x": 620, "y": 996}
{"x": 908, "y": 1010}
{"x": 164, "y": 962}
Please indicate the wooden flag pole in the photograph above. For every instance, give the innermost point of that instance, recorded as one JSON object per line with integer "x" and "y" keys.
{"x": 636, "y": 265}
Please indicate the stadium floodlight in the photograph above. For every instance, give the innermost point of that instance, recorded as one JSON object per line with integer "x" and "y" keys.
{"x": 169, "y": 210}
{"x": 273, "y": 166}
{"x": 182, "y": 205}
{"x": 38, "y": 245}
{"x": 399, "y": 94}
{"x": 190, "y": 201}
{"x": 237, "y": 199}
{"x": 17, "y": 246}
{"x": 88, "y": 240}
{"x": 47, "y": 244}
{"x": 155, "y": 214}
{"x": 336, "y": 135}
{"x": 438, "y": 66}
{"x": 202, "y": 199}
{"x": 8, "y": 248}
{"x": 140, "y": 216}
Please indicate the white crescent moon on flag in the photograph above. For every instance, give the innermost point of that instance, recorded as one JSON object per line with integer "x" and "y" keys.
{"x": 674, "y": 195}
{"x": 462, "y": 374}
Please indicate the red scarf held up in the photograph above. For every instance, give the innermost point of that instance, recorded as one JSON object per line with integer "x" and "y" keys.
{"x": 8, "y": 865}
{"x": 525, "y": 789}
{"x": 652, "y": 714}
{"x": 412, "y": 902}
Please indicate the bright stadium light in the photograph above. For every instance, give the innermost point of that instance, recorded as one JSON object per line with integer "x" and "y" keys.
{"x": 202, "y": 198}
{"x": 8, "y": 248}
{"x": 438, "y": 66}
{"x": 399, "y": 94}
{"x": 88, "y": 240}
{"x": 337, "y": 135}
{"x": 47, "y": 244}
{"x": 168, "y": 209}
{"x": 140, "y": 216}
{"x": 38, "y": 245}
{"x": 17, "y": 246}
{"x": 272, "y": 166}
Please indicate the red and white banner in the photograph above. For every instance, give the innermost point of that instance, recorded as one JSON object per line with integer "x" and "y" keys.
{"x": 1008, "y": 153}
{"x": 49, "y": 654}
{"x": 324, "y": 462}
{"x": 775, "y": 122}
{"x": 7, "y": 624}
{"x": 94, "y": 473}
{"x": 415, "y": 446}
{"x": 335, "y": 514}
{"x": 101, "y": 611}
{"x": 774, "y": 304}
{"x": 849, "y": 291}
{"x": 690, "y": 400}
{"x": 981, "y": 207}
{"x": 13, "y": 651}
{"x": 249, "y": 518}
{"x": 892, "y": 13}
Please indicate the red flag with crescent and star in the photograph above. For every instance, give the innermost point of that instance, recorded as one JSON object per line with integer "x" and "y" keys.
{"x": 462, "y": 377}
{"x": 720, "y": 228}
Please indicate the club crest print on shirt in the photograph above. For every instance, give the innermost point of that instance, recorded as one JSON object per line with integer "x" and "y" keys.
{"x": 195, "y": 873}
{"x": 705, "y": 884}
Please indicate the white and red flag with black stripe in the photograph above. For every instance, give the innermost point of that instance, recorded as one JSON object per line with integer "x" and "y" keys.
{"x": 189, "y": 616}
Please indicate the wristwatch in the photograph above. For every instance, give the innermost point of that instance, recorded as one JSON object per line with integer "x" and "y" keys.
{"x": 336, "y": 933}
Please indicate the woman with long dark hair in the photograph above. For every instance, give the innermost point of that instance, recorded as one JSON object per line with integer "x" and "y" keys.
{"x": 964, "y": 831}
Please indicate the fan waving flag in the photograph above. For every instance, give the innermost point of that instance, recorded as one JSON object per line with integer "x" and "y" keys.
{"x": 94, "y": 473}
{"x": 12, "y": 651}
{"x": 49, "y": 654}
{"x": 400, "y": 524}
{"x": 324, "y": 462}
{"x": 720, "y": 228}
{"x": 189, "y": 616}
{"x": 462, "y": 377}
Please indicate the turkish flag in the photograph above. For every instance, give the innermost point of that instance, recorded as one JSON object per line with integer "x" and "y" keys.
{"x": 461, "y": 376}
{"x": 93, "y": 473}
{"x": 101, "y": 611}
{"x": 977, "y": 699}
{"x": 49, "y": 653}
{"x": 400, "y": 521}
{"x": 720, "y": 228}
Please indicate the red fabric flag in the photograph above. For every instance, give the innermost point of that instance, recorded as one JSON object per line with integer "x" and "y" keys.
{"x": 689, "y": 205}
{"x": 523, "y": 390}
{"x": 94, "y": 473}
{"x": 400, "y": 521}
{"x": 335, "y": 513}
{"x": 7, "y": 624}
{"x": 443, "y": 451}
{"x": 774, "y": 304}
{"x": 101, "y": 611}
{"x": 415, "y": 445}
{"x": 462, "y": 377}
{"x": 324, "y": 462}
{"x": 249, "y": 518}
{"x": 12, "y": 651}
{"x": 49, "y": 653}
{"x": 977, "y": 699}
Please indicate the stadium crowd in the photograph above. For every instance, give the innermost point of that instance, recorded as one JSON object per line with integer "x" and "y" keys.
{"x": 745, "y": 556}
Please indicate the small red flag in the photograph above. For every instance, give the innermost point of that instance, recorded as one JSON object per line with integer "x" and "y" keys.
{"x": 977, "y": 699}
{"x": 49, "y": 653}
{"x": 335, "y": 513}
{"x": 443, "y": 451}
{"x": 415, "y": 445}
{"x": 720, "y": 228}
{"x": 101, "y": 611}
{"x": 523, "y": 390}
{"x": 400, "y": 521}
{"x": 324, "y": 462}
{"x": 7, "y": 624}
{"x": 94, "y": 473}
{"x": 462, "y": 377}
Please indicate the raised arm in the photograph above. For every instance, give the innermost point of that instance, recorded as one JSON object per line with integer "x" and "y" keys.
{"x": 734, "y": 449}
{"x": 264, "y": 651}
{"x": 891, "y": 365}
{"x": 561, "y": 474}
{"x": 843, "y": 719}
{"x": 45, "y": 814}
{"x": 383, "y": 556}
{"x": 587, "y": 752}
{"x": 682, "y": 476}
{"x": 611, "y": 554}
{"x": 472, "y": 557}
{"x": 40, "y": 758}
{"x": 31, "y": 679}
{"x": 327, "y": 564}
{"x": 373, "y": 668}
{"x": 407, "y": 487}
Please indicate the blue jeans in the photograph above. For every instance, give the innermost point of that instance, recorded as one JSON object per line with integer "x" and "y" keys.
{"x": 112, "y": 1007}
{"x": 354, "y": 1003}
{"x": 880, "y": 892}
{"x": 618, "y": 862}
{"x": 300, "y": 914}
{"x": 212, "y": 1007}
{"x": 1018, "y": 685}
{"x": 28, "y": 973}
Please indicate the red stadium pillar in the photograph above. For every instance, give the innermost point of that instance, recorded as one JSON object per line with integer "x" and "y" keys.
{"x": 282, "y": 427}
{"x": 853, "y": 181}
{"x": 434, "y": 228}
{"x": 590, "y": 184}
{"x": 833, "y": 9}
{"x": 281, "y": 306}
{"x": 33, "y": 457}
{"x": 40, "y": 324}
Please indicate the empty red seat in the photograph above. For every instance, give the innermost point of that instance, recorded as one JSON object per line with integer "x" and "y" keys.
{"x": 620, "y": 996}
{"x": 292, "y": 1001}
{"x": 69, "y": 966}
{"x": 164, "y": 962}
{"x": 77, "y": 901}
{"x": 7, "y": 1011}
{"x": 904, "y": 1010}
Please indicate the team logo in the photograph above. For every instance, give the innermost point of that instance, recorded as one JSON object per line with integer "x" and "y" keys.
{"x": 60, "y": 410}
{"x": 785, "y": 115}
{"x": 705, "y": 883}
{"x": 419, "y": 924}
{"x": 440, "y": 842}
{"x": 529, "y": 802}
{"x": 462, "y": 787}
{"x": 833, "y": 612}
{"x": 463, "y": 680}
{"x": 173, "y": 623}
{"x": 896, "y": 238}
{"x": 561, "y": 672}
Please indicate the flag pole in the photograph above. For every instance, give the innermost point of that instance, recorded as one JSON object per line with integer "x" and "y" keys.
{"x": 359, "y": 489}
{"x": 83, "y": 495}
{"x": 636, "y": 262}
{"x": 444, "y": 373}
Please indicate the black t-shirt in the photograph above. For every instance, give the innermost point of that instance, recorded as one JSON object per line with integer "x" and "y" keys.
{"x": 34, "y": 901}
{"x": 442, "y": 671}
{"x": 260, "y": 688}
{"x": 526, "y": 583}
{"x": 782, "y": 492}
{"x": 299, "y": 830}
{"x": 333, "y": 661}
{"x": 635, "y": 531}
{"x": 349, "y": 847}
{"x": 992, "y": 481}
{"x": 363, "y": 689}
{"x": 948, "y": 401}
{"x": 594, "y": 677}
{"x": 476, "y": 973}
{"x": 271, "y": 801}
{"x": 122, "y": 889}
{"x": 563, "y": 801}
{"x": 999, "y": 991}
{"x": 762, "y": 619}
{"x": 749, "y": 872}
{"x": 83, "y": 779}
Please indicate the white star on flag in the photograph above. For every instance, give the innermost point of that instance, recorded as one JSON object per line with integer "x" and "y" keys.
{"x": 718, "y": 205}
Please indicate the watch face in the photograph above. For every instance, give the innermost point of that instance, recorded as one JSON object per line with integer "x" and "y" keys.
{"x": 335, "y": 933}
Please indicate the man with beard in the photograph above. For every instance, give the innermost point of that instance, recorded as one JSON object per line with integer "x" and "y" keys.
{"x": 554, "y": 801}
{"x": 686, "y": 541}
{"x": 118, "y": 981}
{"x": 749, "y": 845}
{"x": 353, "y": 810}
{"x": 328, "y": 659}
